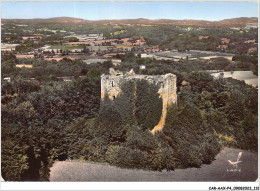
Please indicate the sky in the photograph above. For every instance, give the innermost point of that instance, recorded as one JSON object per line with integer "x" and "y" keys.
{"x": 212, "y": 11}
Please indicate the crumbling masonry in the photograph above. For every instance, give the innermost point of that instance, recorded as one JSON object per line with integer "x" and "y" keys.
{"x": 110, "y": 87}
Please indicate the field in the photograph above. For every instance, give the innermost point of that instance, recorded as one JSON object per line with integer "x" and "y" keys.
{"x": 118, "y": 32}
{"x": 50, "y": 30}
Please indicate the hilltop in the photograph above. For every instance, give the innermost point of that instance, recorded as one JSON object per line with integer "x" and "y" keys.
{"x": 235, "y": 22}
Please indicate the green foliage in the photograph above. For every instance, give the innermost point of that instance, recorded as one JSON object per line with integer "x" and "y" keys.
{"x": 27, "y": 154}
{"x": 126, "y": 157}
{"x": 19, "y": 86}
{"x": 244, "y": 58}
{"x": 72, "y": 39}
{"x": 27, "y": 46}
{"x": 191, "y": 41}
{"x": 148, "y": 105}
{"x": 229, "y": 107}
{"x": 138, "y": 103}
{"x": 193, "y": 141}
{"x": 130, "y": 57}
{"x": 120, "y": 110}
{"x": 8, "y": 63}
{"x": 39, "y": 114}
{"x": 14, "y": 160}
{"x": 246, "y": 62}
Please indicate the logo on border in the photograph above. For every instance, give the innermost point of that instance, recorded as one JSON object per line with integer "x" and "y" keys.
{"x": 235, "y": 164}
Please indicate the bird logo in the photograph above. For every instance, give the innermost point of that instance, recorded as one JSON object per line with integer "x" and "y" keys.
{"x": 234, "y": 164}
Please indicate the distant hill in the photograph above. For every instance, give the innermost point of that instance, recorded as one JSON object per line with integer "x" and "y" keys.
{"x": 236, "y": 22}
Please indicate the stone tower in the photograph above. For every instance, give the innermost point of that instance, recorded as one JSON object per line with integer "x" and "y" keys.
{"x": 110, "y": 87}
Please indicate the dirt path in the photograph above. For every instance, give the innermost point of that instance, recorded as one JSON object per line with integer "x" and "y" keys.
{"x": 218, "y": 170}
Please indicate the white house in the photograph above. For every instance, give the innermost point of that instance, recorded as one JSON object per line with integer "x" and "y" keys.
{"x": 142, "y": 67}
{"x": 8, "y": 79}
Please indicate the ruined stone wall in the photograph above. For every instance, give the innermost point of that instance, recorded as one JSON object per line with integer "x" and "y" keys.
{"x": 111, "y": 88}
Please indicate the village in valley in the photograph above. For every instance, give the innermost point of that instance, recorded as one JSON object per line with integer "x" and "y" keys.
{"x": 32, "y": 41}
{"x": 124, "y": 94}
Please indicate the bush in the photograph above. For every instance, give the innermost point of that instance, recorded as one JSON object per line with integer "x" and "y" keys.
{"x": 126, "y": 157}
{"x": 194, "y": 143}
{"x": 141, "y": 140}
{"x": 161, "y": 158}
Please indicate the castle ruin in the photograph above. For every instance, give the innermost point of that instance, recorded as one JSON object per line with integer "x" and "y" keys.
{"x": 110, "y": 87}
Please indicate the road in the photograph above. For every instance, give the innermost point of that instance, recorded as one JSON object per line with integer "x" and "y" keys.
{"x": 219, "y": 170}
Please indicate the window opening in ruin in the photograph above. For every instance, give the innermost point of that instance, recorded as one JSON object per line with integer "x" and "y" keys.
{"x": 112, "y": 83}
{"x": 114, "y": 97}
